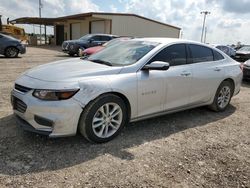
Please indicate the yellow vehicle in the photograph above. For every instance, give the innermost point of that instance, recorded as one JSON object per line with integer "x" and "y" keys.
{"x": 15, "y": 31}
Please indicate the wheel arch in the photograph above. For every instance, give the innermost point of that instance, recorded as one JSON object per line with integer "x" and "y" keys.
{"x": 11, "y": 47}
{"x": 126, "y": 101}
{"x": 231, "y": 81}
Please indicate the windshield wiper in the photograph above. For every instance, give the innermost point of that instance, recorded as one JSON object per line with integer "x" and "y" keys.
{"x": 101, "y": 62}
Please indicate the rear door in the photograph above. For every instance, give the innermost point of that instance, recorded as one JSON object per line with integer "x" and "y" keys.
{"x": 208, "y": 72}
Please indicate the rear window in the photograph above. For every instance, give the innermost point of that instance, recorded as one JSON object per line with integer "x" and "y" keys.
{"x": 201, "y": 53}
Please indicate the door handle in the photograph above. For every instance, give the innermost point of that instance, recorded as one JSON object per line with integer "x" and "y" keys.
{"x": 185, "y": 74}
{"x": 217, "y": 69}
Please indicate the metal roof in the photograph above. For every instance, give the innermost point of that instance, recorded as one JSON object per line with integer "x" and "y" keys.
{"x": 52, "y": 21}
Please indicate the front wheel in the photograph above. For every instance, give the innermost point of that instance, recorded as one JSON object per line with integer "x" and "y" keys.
{"x": 11, "y": 52}
{"x": 222, "y": 97}
{"x": 103, "y": 119}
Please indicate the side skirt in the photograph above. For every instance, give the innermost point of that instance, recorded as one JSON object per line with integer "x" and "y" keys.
{"x": 167, "y": 112}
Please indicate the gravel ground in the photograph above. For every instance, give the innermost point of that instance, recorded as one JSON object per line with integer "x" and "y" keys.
{"x": 194, "y": 148}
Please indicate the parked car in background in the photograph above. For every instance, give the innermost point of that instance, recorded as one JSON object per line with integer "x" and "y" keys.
{"x": 227, "y": 50}
{"x": 243, "y": 54}
{"x": 10, "y": 46}
{"x": 133, "y": 80}
{"x": 246, "y": 70}
{"x": 72, "y": 47}
{"x": 89, "y": 51}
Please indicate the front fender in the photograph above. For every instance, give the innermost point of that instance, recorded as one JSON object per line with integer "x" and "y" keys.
{"x": 91, "y": 89}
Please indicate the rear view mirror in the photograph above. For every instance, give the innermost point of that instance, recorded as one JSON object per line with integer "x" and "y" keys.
{"x": 156, "y": 65}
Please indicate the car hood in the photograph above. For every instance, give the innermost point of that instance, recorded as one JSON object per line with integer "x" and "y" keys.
{"x": 93, "y": 49}
{"x": 74, "y": 69}
{"x": 243, "y": 52}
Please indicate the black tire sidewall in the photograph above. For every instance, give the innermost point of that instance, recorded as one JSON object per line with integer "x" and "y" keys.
{"x": 8, "y": 50}
{"x": 88, "y": 117}
{"x": 224, "y": 83}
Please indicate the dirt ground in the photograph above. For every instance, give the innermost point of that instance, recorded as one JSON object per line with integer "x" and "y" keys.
{"x": 194, "y": 148}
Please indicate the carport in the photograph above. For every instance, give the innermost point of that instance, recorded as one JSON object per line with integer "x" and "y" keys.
{"x": 69, "y": 27}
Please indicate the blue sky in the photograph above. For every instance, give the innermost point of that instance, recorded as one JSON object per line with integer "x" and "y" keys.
{"x": 228, "y": 22}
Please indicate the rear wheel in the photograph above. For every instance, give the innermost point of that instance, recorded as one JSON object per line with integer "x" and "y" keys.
{"x": 103, "y": 119}
{"x": 11, "y": 52}
{"x": 222, "y": 97}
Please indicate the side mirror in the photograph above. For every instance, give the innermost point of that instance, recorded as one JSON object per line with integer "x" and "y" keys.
{"x": 157, "y": 65}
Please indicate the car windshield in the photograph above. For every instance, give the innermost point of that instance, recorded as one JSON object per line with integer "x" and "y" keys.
{"x": 85, "y": 37}
{"x": 114, "y": 41}
{"x": 123, "y": 53}
{"x": 245, "y": 48}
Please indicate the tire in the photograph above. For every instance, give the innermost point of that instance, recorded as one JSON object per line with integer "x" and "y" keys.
{"x": 222, "y": 97}
{"x": 71, "y": 54}
{"x": 98, "y": 126}
{"x": 11, "y": 52}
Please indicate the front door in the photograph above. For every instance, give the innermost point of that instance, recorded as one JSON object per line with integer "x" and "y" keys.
{"x": 165, "y": 90}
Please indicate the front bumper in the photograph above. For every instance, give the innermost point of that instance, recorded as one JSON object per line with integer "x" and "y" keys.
{"x": 22, "y": 49}
{"x": 63, "y": 116}
{"x": 70, "y": 48}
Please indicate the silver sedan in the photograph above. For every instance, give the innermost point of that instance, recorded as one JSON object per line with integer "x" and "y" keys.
{"x": 126, "y": 82}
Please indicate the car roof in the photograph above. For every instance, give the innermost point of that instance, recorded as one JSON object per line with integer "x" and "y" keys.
{"x": 100, "y": 34}
{"x": 169, "y": 41}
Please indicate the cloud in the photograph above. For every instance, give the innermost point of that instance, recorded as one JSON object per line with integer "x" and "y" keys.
{"x": 227, "y": 23}
{"x": 186, "y": 14}
{"x": 113, "y": 8}
{"x": 51, "y": 8}
{"x": 239, "y": 7}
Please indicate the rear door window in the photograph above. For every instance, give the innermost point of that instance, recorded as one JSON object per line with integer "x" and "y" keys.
{"x": 105, "y": 38}
{"x": 200, "y": 53}
{"x": 96, "y": 38}
{"x": 217, "y": 56}
{"x": 174, "y": 55}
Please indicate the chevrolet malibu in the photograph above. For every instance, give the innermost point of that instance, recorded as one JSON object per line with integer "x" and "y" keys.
{"x": 135, "y": 80}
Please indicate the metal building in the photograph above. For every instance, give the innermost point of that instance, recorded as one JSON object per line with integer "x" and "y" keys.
{"x": 122, "y": 24}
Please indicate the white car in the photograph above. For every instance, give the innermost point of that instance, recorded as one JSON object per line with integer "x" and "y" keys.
{"x": 135, "y": 80}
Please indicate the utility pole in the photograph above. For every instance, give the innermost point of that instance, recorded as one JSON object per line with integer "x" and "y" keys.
{"x": 205, "y": 37}
{"x": 40, "y": 15}
{"x": 204, "y": 22}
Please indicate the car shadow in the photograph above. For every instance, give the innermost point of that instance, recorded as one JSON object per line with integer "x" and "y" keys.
{"x": 23, "y": 152}
{"x": 3, "y": 57}
{"x": 246, "y": 83}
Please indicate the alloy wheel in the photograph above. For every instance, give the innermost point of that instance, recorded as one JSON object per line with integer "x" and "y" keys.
{"x": 107, "y": 120}
{"x": 224, "y": 96}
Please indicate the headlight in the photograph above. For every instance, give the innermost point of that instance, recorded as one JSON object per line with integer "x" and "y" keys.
{"x": 51, "y": 95}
